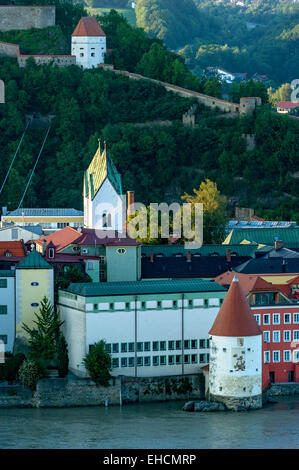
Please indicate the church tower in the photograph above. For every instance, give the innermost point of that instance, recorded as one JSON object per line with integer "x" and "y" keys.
{"x": 89, "y": 43}
{"x": 235, "y": 376}
{"x": 102, "y": 191}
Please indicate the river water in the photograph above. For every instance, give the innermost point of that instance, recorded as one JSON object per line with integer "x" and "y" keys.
{"x": 150, "y": 426}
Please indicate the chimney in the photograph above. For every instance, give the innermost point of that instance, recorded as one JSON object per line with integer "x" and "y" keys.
{"x": 189, "y": 257}
{"x": 130, "y": 202}
{"x": 44, "y": 246}
{"x": 228, "y": 256}
{"x": 278, "y": 244}
{"x": 152, "y": 256}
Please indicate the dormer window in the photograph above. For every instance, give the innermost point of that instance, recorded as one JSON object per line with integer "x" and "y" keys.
{"x": 8, "y": 253}
{"x": 51, "y": 253}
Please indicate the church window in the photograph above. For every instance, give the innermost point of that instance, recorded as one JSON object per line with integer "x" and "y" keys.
{"x": 107, "y": 220}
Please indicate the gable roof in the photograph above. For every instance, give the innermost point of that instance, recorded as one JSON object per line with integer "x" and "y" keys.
{"x": 265, "y": 236}
{"x": 88, "y": 26}
{"x": 100, "y": 168}
{"x": 247, "y": 282}
{"x": 235, "y": 317}
{"x": 61, "y": 238}
{"x": 15, "y": 247}
{"x": 288, "y": 104}
{"x": 269, "y": 266}
{"x": 89, "y": 237}
{"x": 33, "y": 260}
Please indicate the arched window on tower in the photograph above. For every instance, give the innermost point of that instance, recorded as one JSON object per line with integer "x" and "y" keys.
{"x": 107, "y": 220}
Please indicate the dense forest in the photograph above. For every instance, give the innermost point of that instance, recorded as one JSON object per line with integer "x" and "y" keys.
{"x": 159, "y": 162}
{"x": 259, "y": 38}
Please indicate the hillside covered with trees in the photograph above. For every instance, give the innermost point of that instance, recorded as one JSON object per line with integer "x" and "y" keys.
{"x": 261, "y": 37}
{"x": 159, "y": 162}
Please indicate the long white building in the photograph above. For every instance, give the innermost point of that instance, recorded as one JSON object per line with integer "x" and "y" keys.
{"x": 151, "y": 328}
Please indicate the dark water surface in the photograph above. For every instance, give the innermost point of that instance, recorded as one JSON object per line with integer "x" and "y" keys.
{"x": 150, "y": 426}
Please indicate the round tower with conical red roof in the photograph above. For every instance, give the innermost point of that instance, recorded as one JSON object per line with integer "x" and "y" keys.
{"x": 89, "y": 43}
{"x": 235, "y": 376}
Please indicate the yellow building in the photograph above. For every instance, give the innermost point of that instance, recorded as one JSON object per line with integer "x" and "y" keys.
{"x": 34, "y": 280}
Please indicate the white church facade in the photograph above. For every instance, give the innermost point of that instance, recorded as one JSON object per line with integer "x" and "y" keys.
{"x": 102, "y": 194}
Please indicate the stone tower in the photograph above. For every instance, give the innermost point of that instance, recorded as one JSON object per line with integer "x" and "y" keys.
{"x": 235, "y": 376}
{"x": 89, "y": 43}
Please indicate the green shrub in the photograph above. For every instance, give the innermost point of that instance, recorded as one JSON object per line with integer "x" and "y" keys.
{"x": 31, "y": 372}
{"x": 9, "y": 370}
{"x": 98, "y": 364}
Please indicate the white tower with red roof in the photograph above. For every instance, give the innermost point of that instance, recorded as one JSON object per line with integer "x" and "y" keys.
{"x": 235, "y": 376}
{"x": 89, "y": 43}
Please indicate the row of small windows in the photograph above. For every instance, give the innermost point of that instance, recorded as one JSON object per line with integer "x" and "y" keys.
{"x": 287, "y": 336}
{"x": 3, "y": 283}
{"x": 287, "y": 356}
{"x": 157, "y": 346}
{"x": 3, "y": 308}
{"x": 159, "y": 305}
{"x": 287, "y": 318}
{"x": 143, "y": 361}
{"x": 182, "y": 255}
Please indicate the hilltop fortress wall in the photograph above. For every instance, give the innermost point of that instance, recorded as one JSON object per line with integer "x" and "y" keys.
{"x": 246, "y": 105}
{"x": 25, "y": 17}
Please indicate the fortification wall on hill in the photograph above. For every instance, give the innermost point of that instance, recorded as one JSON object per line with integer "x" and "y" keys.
{"x": 25, "y": 17}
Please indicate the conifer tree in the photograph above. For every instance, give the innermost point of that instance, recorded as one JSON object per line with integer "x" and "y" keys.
{"x": 44, "y": 335}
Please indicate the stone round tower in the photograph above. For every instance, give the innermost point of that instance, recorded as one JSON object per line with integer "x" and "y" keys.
{"x": 235, "y": 376}
{"x": 89, "y": 43}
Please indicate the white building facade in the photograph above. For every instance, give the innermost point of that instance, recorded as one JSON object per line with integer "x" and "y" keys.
{"x": 151, "y": 328}
{"x": 89, "y": 43}
{"x": 235, "y": 371}
{"x": 7, "y": 309}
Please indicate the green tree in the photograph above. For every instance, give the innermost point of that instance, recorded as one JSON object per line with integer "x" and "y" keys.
{"x": 62, "y": 356}
{"x": 43, "y": 337}
{"x": 215, "y": 216}
{"x": 98, "y": 363}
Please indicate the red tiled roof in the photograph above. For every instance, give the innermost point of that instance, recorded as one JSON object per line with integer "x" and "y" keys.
{"x": 235, "y": 317}
{"x": 16, "y": 248}
{"x": 288, "y": 104}
{"x": 248, "y": 282}
{"x": 88, "y": 26}
{"x": 61, "y": 238}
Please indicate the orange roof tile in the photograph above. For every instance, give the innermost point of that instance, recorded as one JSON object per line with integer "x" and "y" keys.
{"x": 16, "y": 248}
{"x": 88, "y": 26}
{"x": 248, "y": 282}
{"x": 61, "y": 238}
{"x": 235, "y": 317}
